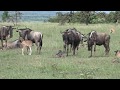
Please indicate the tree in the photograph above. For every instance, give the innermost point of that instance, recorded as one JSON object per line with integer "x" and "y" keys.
{"x": 85, "y": 17}
{"x": 110, "y": 18}
{"x": 15, "y": 17}
{"x": 5, "y": 16}
{"x": 117, "y": 16}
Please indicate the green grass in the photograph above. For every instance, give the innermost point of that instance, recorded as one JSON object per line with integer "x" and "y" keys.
{"x": 13, "y": 65}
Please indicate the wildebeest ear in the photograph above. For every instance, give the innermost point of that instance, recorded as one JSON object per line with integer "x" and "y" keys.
{"x": 116, "y": 51}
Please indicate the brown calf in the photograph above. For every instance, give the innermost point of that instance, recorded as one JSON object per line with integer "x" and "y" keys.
{"x": 26, "y": 44}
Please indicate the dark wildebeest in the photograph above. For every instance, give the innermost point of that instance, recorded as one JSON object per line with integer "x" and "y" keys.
{"x": 95, "y": 38}
{"x": 5, "y": 33}
{"x": 34, "y": 36}
{"x": 71, "y": 37}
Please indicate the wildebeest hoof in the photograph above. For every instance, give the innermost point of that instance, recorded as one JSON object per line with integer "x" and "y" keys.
{"x": 90, "y": 56}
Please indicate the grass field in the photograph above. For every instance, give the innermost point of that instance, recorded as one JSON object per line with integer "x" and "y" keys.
{"x": 13, "y": 65}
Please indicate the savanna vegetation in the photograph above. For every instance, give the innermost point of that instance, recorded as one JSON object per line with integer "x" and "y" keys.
{"x": 87, "y": 17}
{"x": 13, "y": 65}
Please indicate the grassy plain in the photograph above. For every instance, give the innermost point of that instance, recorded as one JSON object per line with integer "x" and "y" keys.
{"x": 13, "y": 65}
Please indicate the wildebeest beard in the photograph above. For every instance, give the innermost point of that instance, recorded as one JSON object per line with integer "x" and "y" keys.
{"x": 90, "y": 43}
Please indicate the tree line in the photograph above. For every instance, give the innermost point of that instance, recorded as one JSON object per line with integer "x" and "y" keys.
{"x": 87, "y": 17}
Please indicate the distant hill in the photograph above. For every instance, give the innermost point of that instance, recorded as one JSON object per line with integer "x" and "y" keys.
{"x": 35, "y": 15}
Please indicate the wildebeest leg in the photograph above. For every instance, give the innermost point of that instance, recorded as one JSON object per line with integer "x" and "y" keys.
{"x": 70, "y": 47}
{"x": 27, "y": 50}
{"x": 5, "y": 42}
{"x": 94, "y": 48}
{"x": 91, "y": 51}
{"x": 78, "y": 46}
{"x": 67, "y": 49}
{"x": 23, "y": 51}
{"x": 30, "y": 51}
{"x": 107, "y": 49}
{"x": 40, "y": 45}
{"x": 38, "y": 49}
{"x": 36, "y": 43}
{"x": 2, "y": 43}
{"x": 64, "y": 46}
{"x": 73, "y": 50}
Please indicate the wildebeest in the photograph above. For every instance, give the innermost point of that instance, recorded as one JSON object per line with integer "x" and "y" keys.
{"x": 26, "y": 44}
{"x": 5, "y": 33}
{"x": 71, "y": 37}
{"x": 12, "y": 44}
{"x": 95, "y": 38}
{"x": 34, "y": 36}
{"x": 60, "y": 54}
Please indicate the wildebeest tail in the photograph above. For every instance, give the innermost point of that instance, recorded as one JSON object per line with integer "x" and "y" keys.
{"x": 41, "y": 42}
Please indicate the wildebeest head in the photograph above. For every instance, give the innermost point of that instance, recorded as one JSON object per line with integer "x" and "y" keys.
{"x": 23, "y": 32}
{"x": 8, "y": 30}
{"x": 91, "y": 39}
{"x": 65, "y": 36}
{"x": 92, "y": 35}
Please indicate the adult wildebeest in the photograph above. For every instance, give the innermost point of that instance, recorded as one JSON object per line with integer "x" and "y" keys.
{"x": 34, "y": 36}
{"x": 95, "y": 38}
{"x": 71, "y": 37}
{"x": 5, "y": 33}
{"x": 13, "y": 44}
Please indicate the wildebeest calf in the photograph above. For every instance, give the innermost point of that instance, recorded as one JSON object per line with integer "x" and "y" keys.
{"x": 60, "y": 54}
{"x": 26, "y": 44}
